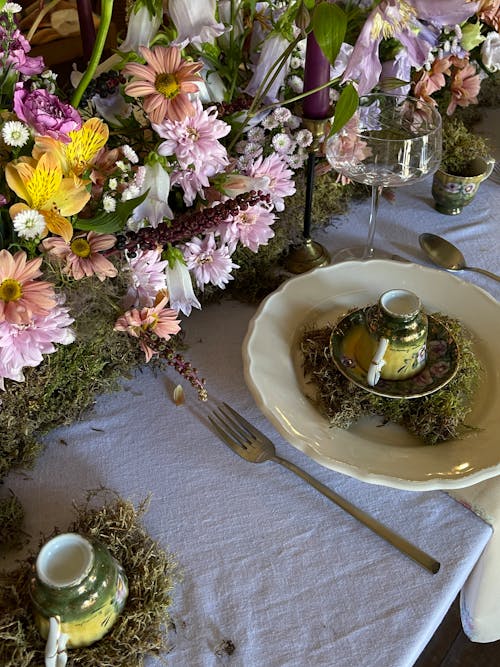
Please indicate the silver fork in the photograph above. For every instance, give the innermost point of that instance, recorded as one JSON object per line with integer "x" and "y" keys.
{"x": 252, "y": 445}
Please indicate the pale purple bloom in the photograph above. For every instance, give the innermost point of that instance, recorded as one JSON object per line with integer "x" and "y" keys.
{"x": 194, "y": 140}
{"x": 402, "y": 21}
{"x": 251, "y": 228}
{"x": 15, "y": 56}
{"x": 195, "y": 21}
{"x": 192, "y": 183}
{"x": 45, "y": 113}
{"x": 155, "y": 207}
{"x": 147, "y": 278}
{"x": 180, "y": 288}
{"x": 399, "y": 68}
{"x": 24, "y": 345}
{"x": 273, "y": 47}
{"x": 209, "y": 263}
{"x": 142, "y": 25}
{"x": 112, "y": 108}
{"x": 281, "y": 182}
{"x": 212, "y": 88}
{"x": 282, "y": 143}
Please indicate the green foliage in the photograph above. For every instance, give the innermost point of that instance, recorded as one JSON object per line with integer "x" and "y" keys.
{"x": 329, "y": 24}
{"x": 460, "y": 147}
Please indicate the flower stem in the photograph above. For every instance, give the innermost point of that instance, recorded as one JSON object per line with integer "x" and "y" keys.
{"x": 102, "y": 33}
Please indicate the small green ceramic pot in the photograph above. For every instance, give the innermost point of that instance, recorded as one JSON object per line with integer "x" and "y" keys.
{"x": 78, "y": 582}
{"x": 451, "y": 193}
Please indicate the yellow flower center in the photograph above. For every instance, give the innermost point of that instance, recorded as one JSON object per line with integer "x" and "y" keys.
{"x": 167, "y": 85}
{"x": 80, "y": 247}
{"x": 392, "y": 21}
{"x": 10, "y": 290}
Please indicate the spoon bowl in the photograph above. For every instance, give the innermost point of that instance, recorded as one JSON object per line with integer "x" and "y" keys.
{"x": 444, "y": 254}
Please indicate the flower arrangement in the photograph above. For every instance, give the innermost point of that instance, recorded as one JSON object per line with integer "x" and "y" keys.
{"x": 138, "y": 190}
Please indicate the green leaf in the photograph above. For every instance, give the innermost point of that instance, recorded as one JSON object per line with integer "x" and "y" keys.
{"x": 345, "y": 107}
{"x": 309, "y": 3}
{"x": 329, "y": 24}
{"x": 109, "y": 223}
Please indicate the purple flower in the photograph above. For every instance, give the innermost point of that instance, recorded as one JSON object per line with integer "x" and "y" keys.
{"x": 208, "y": 263}
{"x": 401, "y": 20}
{"x": 17, "y": 48}
{"x": 45, "y": 113}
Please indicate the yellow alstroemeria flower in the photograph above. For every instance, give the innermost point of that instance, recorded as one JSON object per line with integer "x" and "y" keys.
{"x": 78, "y": 155}
{"x": 43, "y": 187}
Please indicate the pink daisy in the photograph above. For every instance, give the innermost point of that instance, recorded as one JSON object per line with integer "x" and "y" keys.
{"x": 158, "y": 320}
{"x": 251, "y": 227}
{"x": 281, "y": 182}
{"x": 24, "y": 345}
{"x": 194, "y": 139}
{"x": 82, "y": 255}
{"x": 21, "y": 296}
{"x": 148, "y": 277}
{"x": 164, "y": 82}
{"x": 209, "y": 263}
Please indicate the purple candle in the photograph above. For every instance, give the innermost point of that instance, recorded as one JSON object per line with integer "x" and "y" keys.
{"x": 87, "y": 27}
{"x": 316, "y": 73}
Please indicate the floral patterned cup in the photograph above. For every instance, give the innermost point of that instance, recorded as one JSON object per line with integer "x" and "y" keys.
{"x": 451, "y": 193}
{"x": 78, "y": 591}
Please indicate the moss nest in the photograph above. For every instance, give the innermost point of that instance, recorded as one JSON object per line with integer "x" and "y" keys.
{"x": 142, "y": 628}
{"x": 433, "y": 418}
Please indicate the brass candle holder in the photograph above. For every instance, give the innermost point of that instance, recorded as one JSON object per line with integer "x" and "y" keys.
{"x": 309, "y": 254}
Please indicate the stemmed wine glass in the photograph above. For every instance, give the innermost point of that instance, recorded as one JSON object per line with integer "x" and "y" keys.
{"x": 391, "y": 140}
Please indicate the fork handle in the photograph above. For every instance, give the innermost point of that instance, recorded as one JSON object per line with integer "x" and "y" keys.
{"x": 380, "y": 529}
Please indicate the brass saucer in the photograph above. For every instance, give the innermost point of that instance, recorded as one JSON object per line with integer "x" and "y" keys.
{"x": 307, "y": 256}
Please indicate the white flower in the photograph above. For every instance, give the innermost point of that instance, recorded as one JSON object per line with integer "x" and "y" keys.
{"x": 12, "y": 8}
{"x": 109, "y": 203}
{"x": 195, "y": 21}
{"x": 29, "y": 224}
{"x": 282, "y": 114}
{"x": 155, "y": 207}
{"x": 15, "y": 133}
{"x": 490, "y": 51}
{"x": 304, "y": 138}
{"x": 142, "y": 25}
{"x": 180, "y": 288}
{"x": 296, "y": 84}
{"x": 256, "y": 134}
{"x": 130, "y": 154}
{"x": 112, "y": 183}
{"x": 296, "y": 62}
{"x": 282, "y": 143}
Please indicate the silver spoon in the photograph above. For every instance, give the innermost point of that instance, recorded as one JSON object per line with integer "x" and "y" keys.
{"x": 447, "y": 256}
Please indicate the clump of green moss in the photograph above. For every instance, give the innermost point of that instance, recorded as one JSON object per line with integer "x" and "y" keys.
{"x": 11, "y": 523}
{"x": 433, "y": 418}
{"x": 460, "y": 147}
{"x": 141, "y": 629}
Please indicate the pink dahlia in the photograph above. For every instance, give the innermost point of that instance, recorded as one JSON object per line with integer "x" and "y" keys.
{"x": 147, "y": 273}
{"x": 82, "y": 255}
{"x": 21, "y": 295}
{"x": 281, "y": 183}
{"x": 194, "y": 139}
{"x": 208, "y": 263}
{"x": 158, "y": 320}
{"x": 24, "y": 345}
{"x": 250, "y": 227}
{"x": 164, "y": 82}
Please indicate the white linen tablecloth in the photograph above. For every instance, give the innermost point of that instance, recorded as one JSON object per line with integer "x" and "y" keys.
{"x": 269, "y": 563}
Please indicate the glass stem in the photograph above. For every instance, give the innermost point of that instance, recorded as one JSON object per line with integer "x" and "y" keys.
{"x": 376, "y": 190}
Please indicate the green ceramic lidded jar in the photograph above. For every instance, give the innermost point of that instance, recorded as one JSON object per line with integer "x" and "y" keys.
{"x": 79, "y": 582}
{"x": 394, "y": 339}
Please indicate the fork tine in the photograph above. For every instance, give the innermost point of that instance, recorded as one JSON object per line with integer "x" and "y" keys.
{"x": 225, "y": 436}
{"x": 241, "y": 421}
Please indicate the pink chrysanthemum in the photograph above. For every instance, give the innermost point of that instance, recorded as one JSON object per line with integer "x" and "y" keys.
{"x": 21, "y": 295}
{"x": 147, "y": 279}
{"x": 281, "y": 182}
{"x": 24, "y": 345}
{"x": 465, "y": 84}
{"x": 82, "y": 255}
{"x": 209, "y": 263}
{"x": 158, "y": 320}
{"x": 194, "y": 140}
{"x": 251, "y": 227}
{"x": 164, "y": 82}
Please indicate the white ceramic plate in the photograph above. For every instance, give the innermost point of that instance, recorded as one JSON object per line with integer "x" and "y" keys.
{"x": 386, "y": 455}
